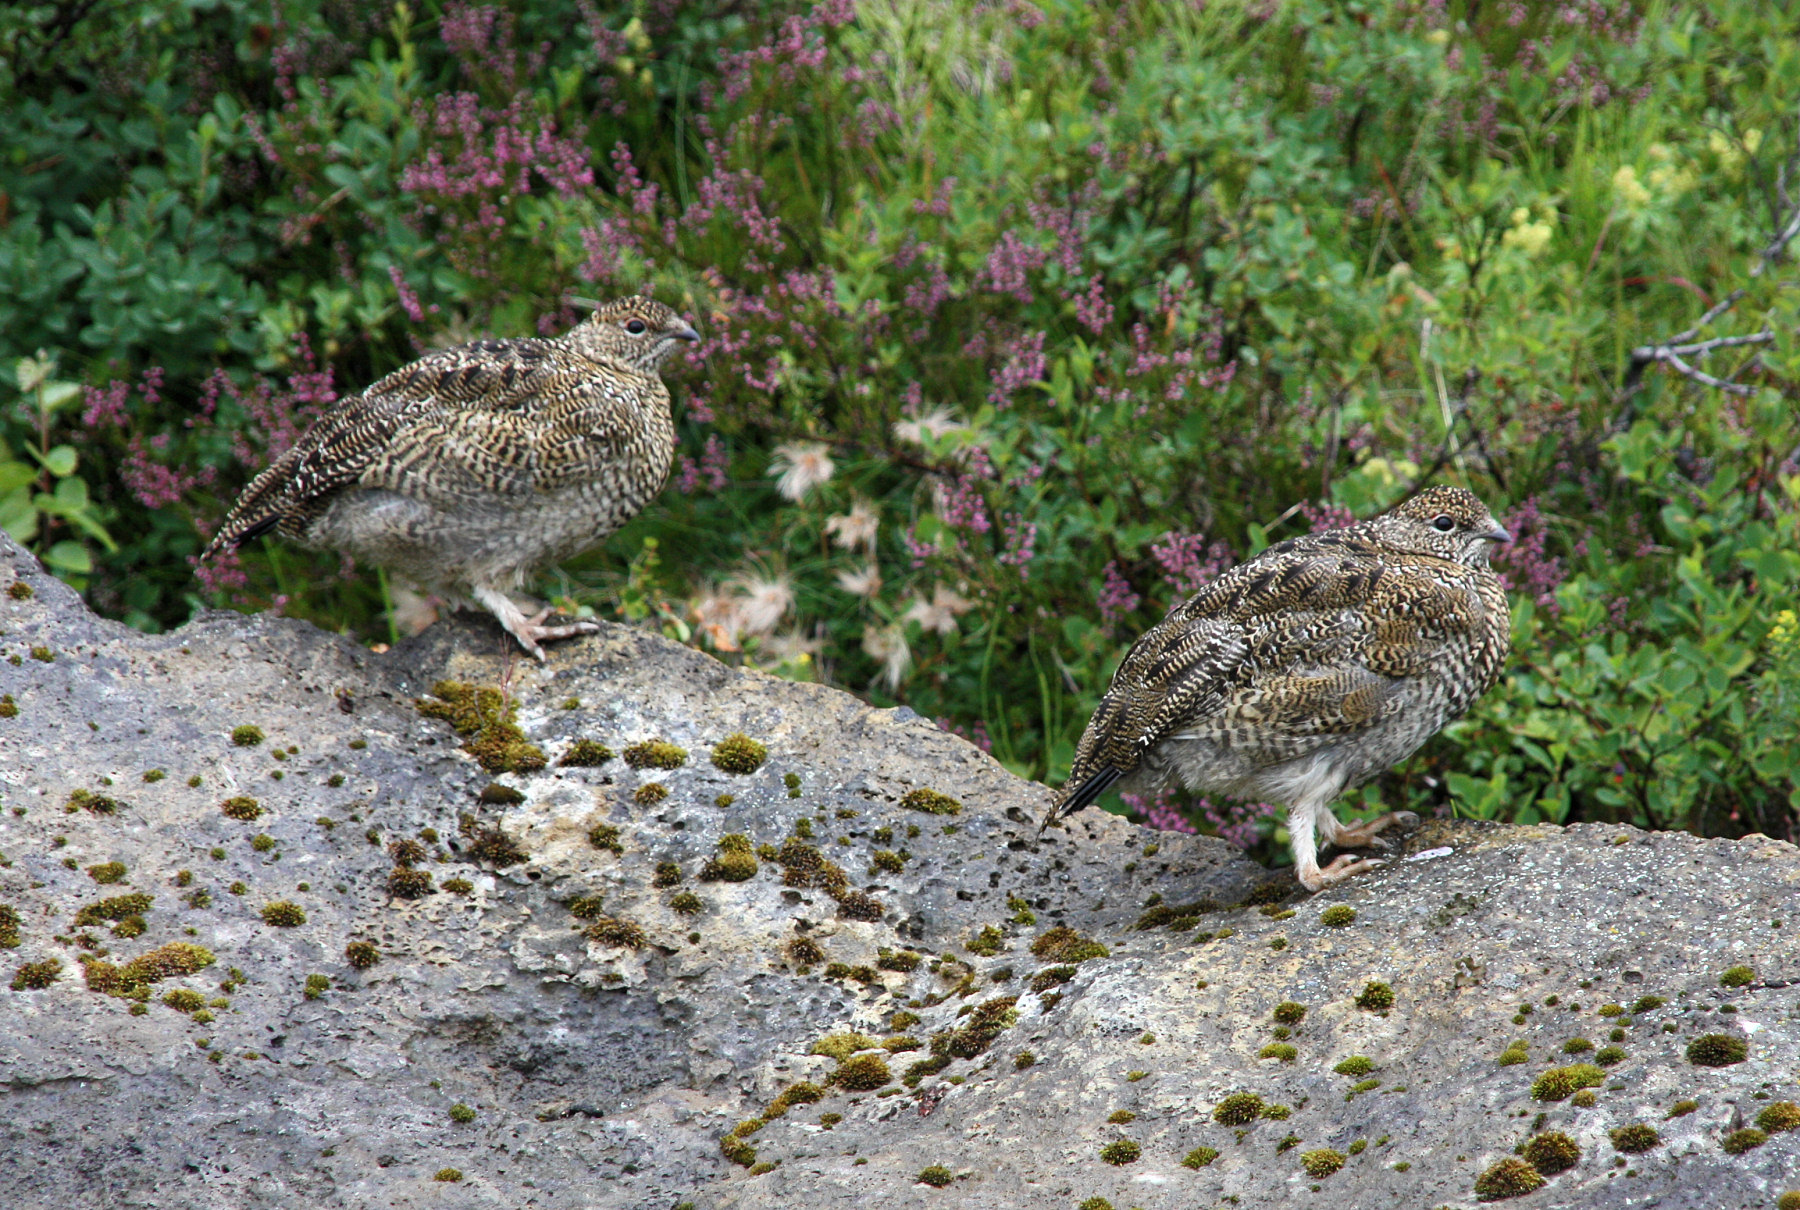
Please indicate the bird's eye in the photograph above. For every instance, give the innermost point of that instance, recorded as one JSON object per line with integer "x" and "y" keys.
{"x": 635, "y": 327}
{"x": 1443, "y": 523}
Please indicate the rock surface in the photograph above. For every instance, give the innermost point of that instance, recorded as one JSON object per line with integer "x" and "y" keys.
{"x": 604, "y": 1075}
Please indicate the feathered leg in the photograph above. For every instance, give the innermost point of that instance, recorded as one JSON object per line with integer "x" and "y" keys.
{"x": 530, "y": 631}
{"x": 1305, "y": 820}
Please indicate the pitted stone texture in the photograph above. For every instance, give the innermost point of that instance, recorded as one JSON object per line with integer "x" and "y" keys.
{"x": 604, "y": 1077}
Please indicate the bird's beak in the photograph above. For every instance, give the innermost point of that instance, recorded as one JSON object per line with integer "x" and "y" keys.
{"x": 1497, "y": 534}
{"x": 684, "y": 332}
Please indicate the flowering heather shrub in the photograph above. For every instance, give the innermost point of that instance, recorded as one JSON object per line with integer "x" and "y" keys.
{"x": 1021, "y": 325}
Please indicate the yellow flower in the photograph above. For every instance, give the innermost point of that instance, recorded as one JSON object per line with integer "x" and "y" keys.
{"x": 1782, "y": 634}
{"x": 1628, "y": 189}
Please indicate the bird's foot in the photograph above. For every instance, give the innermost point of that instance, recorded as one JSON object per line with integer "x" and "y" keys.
{"x": 1343, "y": 867}
{"x": 1363, "y": 835}
{"x": 529, "y": 631}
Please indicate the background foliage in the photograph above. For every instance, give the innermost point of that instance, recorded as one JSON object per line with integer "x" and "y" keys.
{"x": 1022, "y": 319}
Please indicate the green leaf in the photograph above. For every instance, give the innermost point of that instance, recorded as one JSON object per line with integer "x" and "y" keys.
{"x": 59, "y": 461}
{"x": 69, "y": 556}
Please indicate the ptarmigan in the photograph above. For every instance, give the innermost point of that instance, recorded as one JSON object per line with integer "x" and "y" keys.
{"x": 1308, "y": 670}
{"x": 475, "y": 466}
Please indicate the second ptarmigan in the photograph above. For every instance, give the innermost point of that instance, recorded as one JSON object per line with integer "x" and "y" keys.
{"x": 474, "y": 467}
{"x": 1307, "y": 671}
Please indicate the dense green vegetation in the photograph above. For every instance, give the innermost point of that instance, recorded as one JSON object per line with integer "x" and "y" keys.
{"x": 1020, "y": 320}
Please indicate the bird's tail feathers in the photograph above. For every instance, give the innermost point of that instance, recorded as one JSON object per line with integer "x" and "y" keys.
{"x": 1082, "y": 795}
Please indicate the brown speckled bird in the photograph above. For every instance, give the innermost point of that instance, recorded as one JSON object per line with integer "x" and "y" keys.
{"x": 476, "y": 466}
{"x": 1307, "y": 671}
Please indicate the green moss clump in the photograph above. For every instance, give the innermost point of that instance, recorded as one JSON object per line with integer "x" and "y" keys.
{"x": 1577, "y": 1046}
{"x": 1120, "y": 1152}
{"x": 687, "y": 903}
{"x": 262, "y": 842}
{"x": 485, "y": 718}
{"x": 403, "y": 882}
{"x": 1095, "y": 1203}
{"x": 174, "y": 960}
{"x": 736, "y": 861}
{"x": 738, "y": 753}
{"x": 1788, "y": 1201}
{"x": 246, "y": 736}
{"x": 1737, "y": 976}
{"x": 1122, "y": 1117}
{"x": 979, "y": 1029}
{"x": 1322, "y": 1162}
{"x": 495, "y": 794}
{"x": 611, "y": 931}
{"x": 241, "y": 807}
{"x": 1507, "y": 1179}
{"x": 855, "y": 905}
{"x": 1050, "y": 976}
{"x": 1635, "y": 1138}
{"x": 804, "y": 951}
{"x": 461, "y": 1113}
{"x": 316, "y": 986}
{"x": 406, "y": 852}
{"x": 9, "y": 926}
{"x": 987, "y": 943}
{"x": 737, "y": 1150}
{"x": 8, "y": 707}
{"x": 19, "y": 590}
{"x": 283, "y": 913}
{"x": 1644, "y": 1004}
{"x": 655, "y": 754}
{"x": 1779, "y": 1118}
{"x": 606, "y": 836}
{"x": 1238, "y": 1109}
{"x": 862, "y": 1073}
{"x": 1585, "y": 1099}
{"x": 1375, "y": 998}
{"x": 1338, "y": 916}
{"x": 95, "y": 804}
{"x": 1717, "y": 1050}
{"x": 1610, "y": 1056}
{"x": 1199, "y": 1157}
{"x": 937, "y": 1176}
{"x": 1740, "y": 1141}
{"x": 886, "y": 861}
{"x": 649, "y": 794}
{"x": 902, "y": 961}
{"x": 802, "y": 1093}
{"x": 184, "y": 1001}
{"x": 931, "y": 802}
{"x": 1289, "y": 1013}
{"x": 840, "y": 1046}
{"x": 449, "y": 1175}
{"x": 1063, "y": 944}
{"x": 35, "y": 976}
{"x": 1611, "y": 1010}
{"x": 1559, "y": 1082}
{"x": 1355, "y": 1065}
{"x": 1278, "y": 1050}
{"x": 585, "y": 754}
{"x": 925, "y": 1067}
{"x": 362, "y": 954}
{"x": 1514, "y": 1054}
{"x": 107, "y": 872}
{"x": 117, "y": 908}
{"x": 1552, "y": 1152}
{"x": 154, "y": 775}
{"x": 495, "y": 848}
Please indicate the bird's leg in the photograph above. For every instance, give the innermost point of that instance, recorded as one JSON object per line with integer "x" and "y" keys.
{"x": 1304, "y": 823}
{"x": 1362, "y": 835}
{"x": 529, "y": 631}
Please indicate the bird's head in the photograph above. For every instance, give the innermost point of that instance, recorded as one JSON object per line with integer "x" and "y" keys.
{"x": 637, "y": 331}
{"x": 1445, "y": 522}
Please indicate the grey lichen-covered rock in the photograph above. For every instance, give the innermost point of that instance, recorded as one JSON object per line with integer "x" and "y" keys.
{"x": 609, "y": 1021}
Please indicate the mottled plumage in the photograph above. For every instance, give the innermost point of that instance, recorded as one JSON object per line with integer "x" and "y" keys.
{"x": 1309, "y": 670}
{"x": 474, "y": 467}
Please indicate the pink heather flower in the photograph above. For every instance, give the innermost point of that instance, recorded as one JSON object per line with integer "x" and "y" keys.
{"x": 1091, "y": 306}
{"x": 1322, "y": 516}
{"x": 1522, "y": 564}
{"x": 1189, "y": 562}
{"x": 1020, "y": 539}
{"x": 1116, "y": 598}
{"x": 977, "y": 733}
{"x": 409, "y": 301}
